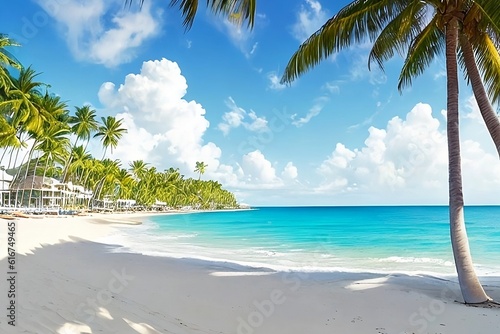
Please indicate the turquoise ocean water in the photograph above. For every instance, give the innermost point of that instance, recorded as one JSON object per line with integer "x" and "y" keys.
{"x": 375, "y": 239}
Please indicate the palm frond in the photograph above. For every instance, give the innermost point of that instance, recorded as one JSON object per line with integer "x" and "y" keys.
{"x": 358, "y": 21}
{"x": 5, "y": 56}
{"x": 237, "y": 11}
{"x": 398, "y": 34}
{"x": 426, "y": 46}
{"x": 490, "y": 16}
{"x": 488, "y": 62}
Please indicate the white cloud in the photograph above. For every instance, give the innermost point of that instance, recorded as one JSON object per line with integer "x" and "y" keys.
{"x": 309, "y": 19}
{"x": 313, "y": 112}
{"x": 98, "y": 31}
{"x": 407, "y": 163}
{"x": 167, "y": 130}
{"x": 255, "y": 172}
{"x": 240, "y": 35}
{"x": 332, "y": 87}
{"x": 162, "y": 126}
{"x": 274, "y": 82}
{"x": 237, "y": 117}
{"x": 473, "y": 110}
{"x": 254, "y": 48}
{"x": 258, "y": 169}
{"x": 359, "y": 70}
{"x": 290, "y": 171}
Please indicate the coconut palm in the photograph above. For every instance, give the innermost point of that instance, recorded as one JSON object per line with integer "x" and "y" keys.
{"x": 20, "y": 102}
{"x": 138, "y": 169}
{"x": 479, "y": 40}
{"x": 110, "y": 132}
{"x": 105, "y": 179}
{"x": 84, "y": 124}
{"x": 421, "y": 29}
{"x": 54, "y": 130}
{"x": 53, "y": 144}
{"x": 126, "y": 183}
{"x": 75, "y": 169}
{"x": 200, "y": 168}
{"x": 24, "y": 112}
{"x": 479, "y": 33}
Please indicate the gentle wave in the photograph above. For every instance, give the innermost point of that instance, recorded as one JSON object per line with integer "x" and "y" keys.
{"x": 284, "y": 243}
{"x": 399, "y": 259}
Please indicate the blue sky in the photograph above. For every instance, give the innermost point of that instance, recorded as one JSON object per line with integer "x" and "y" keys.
{"x": 340, "y": 135}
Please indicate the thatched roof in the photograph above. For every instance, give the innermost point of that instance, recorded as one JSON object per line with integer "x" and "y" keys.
{"x": 33, "y": 182}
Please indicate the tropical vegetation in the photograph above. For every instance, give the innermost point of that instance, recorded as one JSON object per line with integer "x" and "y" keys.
{"x": 41, "y": 140}
{"x": 467, "y": 32}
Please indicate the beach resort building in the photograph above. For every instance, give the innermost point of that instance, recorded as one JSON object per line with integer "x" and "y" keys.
{"x": 38, "y": 192}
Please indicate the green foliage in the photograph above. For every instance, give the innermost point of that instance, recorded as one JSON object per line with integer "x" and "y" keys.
{"x": 29, "y": 116}
{"x": 237, "y": 11}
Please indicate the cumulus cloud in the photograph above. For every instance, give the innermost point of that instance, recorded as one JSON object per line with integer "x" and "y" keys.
{"x": 237, "y": 117}
{"x": 290, "y": 171}
{"x": 407, "y": 163}
{"x": 309, "y": 19}
{"x": 166, "y": 130}
{"x": 256, "y": 172}
{"x": 102, "y": 31}
{"x": 162, "y": 125}
{"x": 258, "y": 169}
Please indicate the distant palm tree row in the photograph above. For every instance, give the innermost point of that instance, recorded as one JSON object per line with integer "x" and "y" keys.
{"x": 38, "y": 123}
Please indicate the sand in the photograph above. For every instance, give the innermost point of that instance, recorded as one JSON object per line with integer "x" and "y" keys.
{"x": 69, "y": 281}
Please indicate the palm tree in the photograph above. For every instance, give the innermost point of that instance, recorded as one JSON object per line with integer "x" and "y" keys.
{"x": 403, "y": 26}
{"x": 24, "y": 112}
{"x": 110, "y": 132}
{"x": 105, "y": 179}
{"x": 138, "y": 169}
{"x": 54, "y": 146}
{"x": 54, "y": 129}
{"x": 480, "y": 35}
{"x": 126, "y": 183}
{"x": 75, "y": 169}
{"x": 83, "y": 124}
{"x": 200, "y": 168}
{"x": 20, "y": 102}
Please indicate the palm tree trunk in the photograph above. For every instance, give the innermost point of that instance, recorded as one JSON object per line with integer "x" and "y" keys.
{"x": 3, "y": 154}
{"x": 485, "y": 107}
{"x": 10, "y": 157}
{"x": 33, "y": 181}
{"x": 43, "y": 179}
{"x": 18, "y": 174}
{"x": 472, "y": 291}
{"x": 66, "y": 167}
{"x": 30, "y": 156}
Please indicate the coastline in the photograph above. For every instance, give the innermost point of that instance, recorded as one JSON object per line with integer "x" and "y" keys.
{"x": 71, "y": 281}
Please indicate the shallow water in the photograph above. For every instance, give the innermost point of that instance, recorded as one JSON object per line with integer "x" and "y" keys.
{"x": 375, "y": 239}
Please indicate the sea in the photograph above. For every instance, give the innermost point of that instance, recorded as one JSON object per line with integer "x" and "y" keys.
{"x": 382, "y": 239}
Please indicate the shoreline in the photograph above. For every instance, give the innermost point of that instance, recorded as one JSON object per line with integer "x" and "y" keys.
{"x": 71, "y": 281}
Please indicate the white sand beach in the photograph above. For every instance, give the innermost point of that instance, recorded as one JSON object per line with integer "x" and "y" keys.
{"x": 69, "y": 281}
